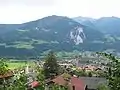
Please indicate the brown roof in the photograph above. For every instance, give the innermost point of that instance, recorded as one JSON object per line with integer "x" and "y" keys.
{"x": 73, "y": 81}
{"x": 7, "y": 74}
{"x": 59, "y": 80}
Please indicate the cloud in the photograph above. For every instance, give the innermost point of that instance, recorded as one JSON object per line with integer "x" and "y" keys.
{"x": 27, "y": 2}
{"x": 104, "y": 8}
{"x": 18, "y": 11}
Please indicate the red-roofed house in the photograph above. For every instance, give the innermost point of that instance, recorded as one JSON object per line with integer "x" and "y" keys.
{"x": 33, "y": 84}
{"x": 74, "y": 83}
{"x": 59, "y": 80}
{"x": 77, "y": 84}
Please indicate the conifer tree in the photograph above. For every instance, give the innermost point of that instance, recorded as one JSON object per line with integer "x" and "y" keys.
{"x": 51, "y": 67}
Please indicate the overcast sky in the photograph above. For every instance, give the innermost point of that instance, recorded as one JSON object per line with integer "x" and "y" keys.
{"x": 19, "y": 11}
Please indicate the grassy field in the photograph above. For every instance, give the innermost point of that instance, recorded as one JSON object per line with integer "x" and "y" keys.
{"x": 19, "y": 64}
{"x": 27, "y": 45}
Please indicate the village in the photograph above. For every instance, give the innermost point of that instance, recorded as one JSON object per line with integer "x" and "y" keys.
{"x": 75, "y": 74}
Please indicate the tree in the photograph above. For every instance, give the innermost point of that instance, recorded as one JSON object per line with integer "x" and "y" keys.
{"x": 3, "y": 67}
{"x": 79, "y": 73}
{"x": 113, "y": 71}
{"x": 3, "y": 71}
{"x": 58, "y": 87}
{"x": 89, "y": 74}
{"x": 51, "y": 67}
{"x": 102, "y": 87}
{"x": 40, "y": 75}
{"x": 20, "y": 82}
{"x": 40, "y": 78}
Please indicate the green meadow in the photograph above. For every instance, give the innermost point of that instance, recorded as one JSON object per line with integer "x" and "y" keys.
{"x": 19, "y": 64}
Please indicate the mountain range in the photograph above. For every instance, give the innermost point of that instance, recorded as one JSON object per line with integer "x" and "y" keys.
{"x": 60, "y": 33}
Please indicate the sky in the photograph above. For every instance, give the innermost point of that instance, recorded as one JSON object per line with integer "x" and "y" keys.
{"x": 20, "y": 11}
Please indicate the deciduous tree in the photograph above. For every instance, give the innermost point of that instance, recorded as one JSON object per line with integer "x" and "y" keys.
{"x": 113, "y": 71}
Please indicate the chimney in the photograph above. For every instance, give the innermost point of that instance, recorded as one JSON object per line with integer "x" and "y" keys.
{"x": 86, "y": 88}
{"x": 73, "y": 87}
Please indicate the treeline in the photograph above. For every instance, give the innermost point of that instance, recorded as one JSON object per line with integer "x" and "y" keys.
{"x": 40, "y": 48}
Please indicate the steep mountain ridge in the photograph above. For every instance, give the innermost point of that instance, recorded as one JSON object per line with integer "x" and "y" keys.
{"x": 50, "y": 28}
{"x": 53, "y": 32}
{"x": 107, "y": 25}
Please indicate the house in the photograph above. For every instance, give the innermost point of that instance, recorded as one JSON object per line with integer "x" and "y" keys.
{"x": 3, "y": 77}
{"x": 93, "y": 82}
{"x": 90, "y": 68}
{"x": 73, "y": 83}
{"x": 77, "y": 84}
{"x": 66, "y": 65}
{"x": 33, "y": 84}
{"x": 8, "y": 74}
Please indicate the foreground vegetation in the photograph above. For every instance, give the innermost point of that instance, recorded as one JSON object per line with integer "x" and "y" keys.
{"x": 19, "y": 81}
{"x": 113, "y": 72}
{"x": 51, "y": 69}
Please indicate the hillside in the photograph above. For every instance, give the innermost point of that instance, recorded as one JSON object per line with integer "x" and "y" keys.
{"x": 107, "y": 25}
{"x": 53, "y": 32}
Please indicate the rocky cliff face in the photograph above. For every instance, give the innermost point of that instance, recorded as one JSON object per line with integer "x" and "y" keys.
{"x": 77, "y": 35}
